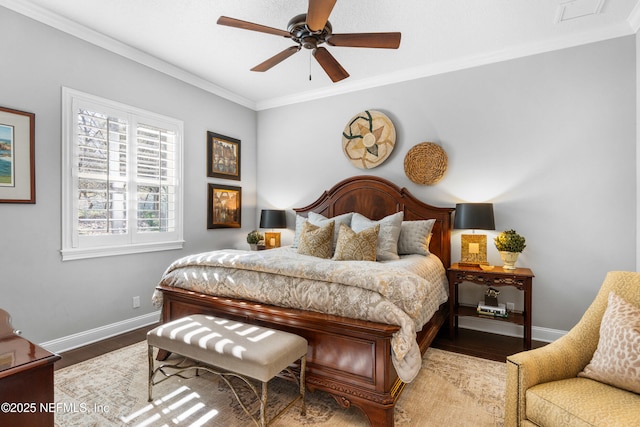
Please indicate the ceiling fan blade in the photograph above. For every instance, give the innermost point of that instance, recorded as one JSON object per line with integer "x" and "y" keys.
{"x": 330, "y": 65}
{"x": 276, "y": 59}
{"x": 318, "y": 13}
{"x": 377, "y": 40}
{"x": 237, "y": 23}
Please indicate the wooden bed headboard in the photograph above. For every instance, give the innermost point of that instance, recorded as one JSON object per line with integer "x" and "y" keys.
{"x": 376, "y": 198}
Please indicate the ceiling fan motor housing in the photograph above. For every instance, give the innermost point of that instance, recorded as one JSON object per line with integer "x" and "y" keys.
{"x": 301, "y": 34}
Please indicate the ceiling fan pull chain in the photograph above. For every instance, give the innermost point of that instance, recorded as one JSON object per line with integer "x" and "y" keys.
{"x": 310, "y": 65}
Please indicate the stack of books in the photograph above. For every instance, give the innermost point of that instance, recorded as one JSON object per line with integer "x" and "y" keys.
{"x": 492, "y": 311}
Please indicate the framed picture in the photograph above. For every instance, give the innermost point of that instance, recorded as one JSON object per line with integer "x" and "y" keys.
{"x": 17, "y": 156}
{"x": 223, "y": 156}
{"x": 224, "y": 206}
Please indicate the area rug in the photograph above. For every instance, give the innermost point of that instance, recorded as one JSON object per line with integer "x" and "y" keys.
{"x": 111, "y": 390}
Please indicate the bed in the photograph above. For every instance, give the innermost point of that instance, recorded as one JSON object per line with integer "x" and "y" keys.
{"x": 354, "y": 360}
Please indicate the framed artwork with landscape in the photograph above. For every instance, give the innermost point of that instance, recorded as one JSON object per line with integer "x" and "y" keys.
{"x": 223, "y": 156}
{"x": 224, "y": 206}
{"x": 17, "y": 157}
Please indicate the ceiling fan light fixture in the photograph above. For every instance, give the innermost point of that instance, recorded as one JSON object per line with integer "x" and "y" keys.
{"x": 312, "y": 29}
{"x": 309, "y": 42}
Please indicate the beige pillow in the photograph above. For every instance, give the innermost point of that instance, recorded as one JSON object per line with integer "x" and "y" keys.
{"x": 616, "y": 361}
{"x": 316, "y": 241}
{"x": 415, "y": 237}
{"x": 354, "y": 246}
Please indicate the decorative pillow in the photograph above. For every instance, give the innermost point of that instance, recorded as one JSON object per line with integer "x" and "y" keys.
{"x": 316, "y": 241}
{"x": 616, "y": 361}
{"x": 320, "y": 220}
{"x": 354, "y": 246}
{"x": 415, "y": 237}
{"x": 389, "y": 233}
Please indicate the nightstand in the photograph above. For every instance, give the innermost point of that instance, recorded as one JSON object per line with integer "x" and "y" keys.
{"x": 26, "y": 379}
{"x": 520, "y": 278}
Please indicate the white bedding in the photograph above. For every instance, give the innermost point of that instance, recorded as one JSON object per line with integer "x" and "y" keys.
{"x": 405, "y": 292}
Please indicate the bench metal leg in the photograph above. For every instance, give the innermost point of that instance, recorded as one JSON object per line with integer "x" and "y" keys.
{"x": 262, "y": 422}
{"x": 303, "y": 388}
{"x": 263, "y": 405}
{"x": 150, "y": 385}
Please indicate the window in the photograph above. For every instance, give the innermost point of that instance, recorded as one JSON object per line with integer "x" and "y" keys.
{"x": 121, "y": 178}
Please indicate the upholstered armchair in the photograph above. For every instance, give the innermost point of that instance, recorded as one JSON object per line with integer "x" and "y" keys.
{"x": 546, "y": 386}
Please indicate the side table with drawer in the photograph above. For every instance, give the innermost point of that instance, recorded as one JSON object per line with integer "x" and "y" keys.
{"x": 520, "y": 278}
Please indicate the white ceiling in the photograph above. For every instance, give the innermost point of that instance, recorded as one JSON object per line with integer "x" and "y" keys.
{"x": 181, "y": 38}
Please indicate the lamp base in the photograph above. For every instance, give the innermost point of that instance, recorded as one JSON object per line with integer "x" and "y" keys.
{"x": 472, "y": 264}
{"x": 271, "y": 240}
{"x": 473, "y": 249}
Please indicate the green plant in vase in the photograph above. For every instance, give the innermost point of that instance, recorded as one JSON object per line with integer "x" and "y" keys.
{"x": 510, "y": 244}
{"x": 253, "y": 238}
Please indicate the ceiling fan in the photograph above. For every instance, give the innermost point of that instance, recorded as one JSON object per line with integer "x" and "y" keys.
{"x": 310, "y": 30}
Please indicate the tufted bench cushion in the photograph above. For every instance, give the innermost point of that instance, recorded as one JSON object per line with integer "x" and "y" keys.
{"x": 256, "y": 352}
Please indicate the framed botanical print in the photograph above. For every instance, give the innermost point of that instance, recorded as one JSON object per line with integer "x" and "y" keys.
{"x": 223, "y": 156}
{"x": 17, "y": 156}
{"x": 224, "y": 206}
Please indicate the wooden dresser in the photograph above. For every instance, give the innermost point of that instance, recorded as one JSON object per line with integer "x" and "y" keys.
{"x": 26, "y": 380}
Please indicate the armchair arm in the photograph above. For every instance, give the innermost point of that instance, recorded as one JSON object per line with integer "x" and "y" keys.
{"x": 561, "y": 359}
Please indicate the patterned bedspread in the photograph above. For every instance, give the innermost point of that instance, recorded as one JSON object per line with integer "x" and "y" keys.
{"x": 406, "y": 292}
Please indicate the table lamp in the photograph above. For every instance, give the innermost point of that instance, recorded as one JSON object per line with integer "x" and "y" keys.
{"x": 474, "y": 216}
{"x": 272, "y": 218}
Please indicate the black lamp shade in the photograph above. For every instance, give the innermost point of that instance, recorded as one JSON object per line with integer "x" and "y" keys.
{"x": 272, "y": 218}
{"x": 474, "y": 216}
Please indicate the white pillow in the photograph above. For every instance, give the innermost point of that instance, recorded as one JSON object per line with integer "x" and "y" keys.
{"x": 300, "y": 220}
{"x": 415, "y": 237}
{"x": 388, "y": 236}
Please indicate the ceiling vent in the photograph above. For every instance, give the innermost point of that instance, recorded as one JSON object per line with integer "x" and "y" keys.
{"x": 573, "y": 9}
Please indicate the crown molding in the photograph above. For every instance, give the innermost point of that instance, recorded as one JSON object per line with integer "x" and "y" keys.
{"x": 68, "y": 26}
{"x": 634, "y": 18}
{"x": 631, "y": 26}
{"x": 455, "y": 65}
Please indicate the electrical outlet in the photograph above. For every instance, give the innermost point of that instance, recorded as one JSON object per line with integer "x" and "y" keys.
{"x": 511, "y": 306}
{"x": 136, "y": 302}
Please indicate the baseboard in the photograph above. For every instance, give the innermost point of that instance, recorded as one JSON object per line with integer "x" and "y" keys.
{"x": 93, "y": 335}
{"x": 508, "y": 329}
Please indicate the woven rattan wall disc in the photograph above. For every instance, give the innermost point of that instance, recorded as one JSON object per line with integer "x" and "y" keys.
{"x": 368, "y": 139}
{"x": 425, "y": 163}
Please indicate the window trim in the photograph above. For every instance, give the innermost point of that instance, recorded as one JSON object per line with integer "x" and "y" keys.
{"x": 72, "y": 248}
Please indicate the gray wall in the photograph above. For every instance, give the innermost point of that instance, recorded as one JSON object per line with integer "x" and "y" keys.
{"x": 47, "y": 298}
{"x": 549, "y": 139}
{"x": 637, "y": 147}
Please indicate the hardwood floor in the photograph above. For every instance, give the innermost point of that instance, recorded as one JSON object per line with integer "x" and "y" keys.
{"x": 473, "y": 343}
{"x": 101, "y": 347}
{"x": 481, "y": 344}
